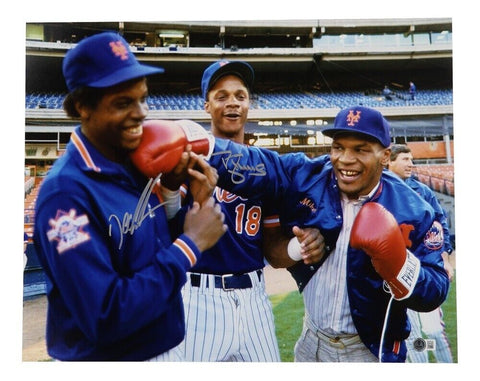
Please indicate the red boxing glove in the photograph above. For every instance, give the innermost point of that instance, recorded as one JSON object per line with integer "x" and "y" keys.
{"x": 164, "y": 141}
{"x": 376, "y": 232}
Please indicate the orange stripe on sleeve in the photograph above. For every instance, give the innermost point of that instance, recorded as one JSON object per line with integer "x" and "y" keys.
{"x": 185, "y": 249}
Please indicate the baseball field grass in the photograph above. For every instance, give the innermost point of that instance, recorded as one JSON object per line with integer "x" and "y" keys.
{"x": 288, "y": 312}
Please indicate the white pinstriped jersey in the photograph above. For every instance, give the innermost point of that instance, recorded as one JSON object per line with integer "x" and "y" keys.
{"x": 325, "y": 295}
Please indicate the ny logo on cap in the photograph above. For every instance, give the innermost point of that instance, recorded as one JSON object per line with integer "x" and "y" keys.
{"x": 119, "y": 49}
{"x": 353, "y": 118}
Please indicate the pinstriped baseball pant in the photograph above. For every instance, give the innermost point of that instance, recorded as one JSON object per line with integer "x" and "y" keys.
{"x": 432, "y": 324}
{"x": 414, "y": 355}
{"x": 315, "y": 346}
{"x": 234, "y": 325}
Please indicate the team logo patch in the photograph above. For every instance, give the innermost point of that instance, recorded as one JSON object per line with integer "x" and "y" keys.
{"x": 353, "y": 118}
{"x": 434, "y": 238}
{"x": 67, "y": 229}
{"x": 119, "y": 49}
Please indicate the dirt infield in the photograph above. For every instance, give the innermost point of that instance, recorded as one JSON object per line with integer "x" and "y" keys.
{"x": 278, "y": 281}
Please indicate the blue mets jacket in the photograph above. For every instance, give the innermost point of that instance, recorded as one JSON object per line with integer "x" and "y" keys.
{"x": 113, "y": 274}
{"x": 429, "y": 196}
{"x": 307, "y": 195}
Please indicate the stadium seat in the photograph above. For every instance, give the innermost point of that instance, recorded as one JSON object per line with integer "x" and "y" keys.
{"x": 450, "y": 188}
{"x": 438, "y": 184}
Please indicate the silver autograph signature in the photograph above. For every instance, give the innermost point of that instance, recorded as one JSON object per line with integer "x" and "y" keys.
{"x": 231, "y": 162}
{"x": 132, "y": 222}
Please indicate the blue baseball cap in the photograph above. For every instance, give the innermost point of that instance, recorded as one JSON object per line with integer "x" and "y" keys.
{"x": 220, "y": 68}
{"x": 361, "y": 120}
{"x": 103, "y": 60}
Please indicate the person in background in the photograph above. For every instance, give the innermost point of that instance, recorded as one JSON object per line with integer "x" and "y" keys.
{"x": 114, "y": 273}
{"x": 387, "y": 93}
{"x": 430, "y": 323}
{"x": 412, "y": 90}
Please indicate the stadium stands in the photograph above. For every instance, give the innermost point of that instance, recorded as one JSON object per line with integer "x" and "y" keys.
{"x": 44, "y": 100}
{"x": 271, "y": 101}
{"x": 32, "y": 186}
{"x": 439, "y": 177}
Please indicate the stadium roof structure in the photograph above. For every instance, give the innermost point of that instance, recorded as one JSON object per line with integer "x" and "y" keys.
{"x": 308, "y": 27}
{"x": 269, "y": 45}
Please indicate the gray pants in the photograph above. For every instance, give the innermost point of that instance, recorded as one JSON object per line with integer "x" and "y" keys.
{"x": 315, "y": 346}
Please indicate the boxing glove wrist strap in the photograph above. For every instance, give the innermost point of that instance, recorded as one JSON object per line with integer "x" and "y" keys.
{"x": 403, "y": 284}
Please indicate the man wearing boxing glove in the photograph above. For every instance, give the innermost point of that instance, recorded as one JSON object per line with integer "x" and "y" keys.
{"x": 357, "y": 297}
{"x": 114, "y": 273}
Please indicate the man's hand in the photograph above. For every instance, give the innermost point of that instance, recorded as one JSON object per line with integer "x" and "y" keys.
{"x": 448, "y": 266}
{"x": 312, "y": 244}
{"x": 203, "y": 179}
{"x": 204, "y": 224}
{"x": 307, "y": 245}
{"x": 173, "y": 179}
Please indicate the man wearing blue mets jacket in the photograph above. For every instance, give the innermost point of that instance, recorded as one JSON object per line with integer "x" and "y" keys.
{"x": 114, "y": 273}
{"x": 383, "y": 245}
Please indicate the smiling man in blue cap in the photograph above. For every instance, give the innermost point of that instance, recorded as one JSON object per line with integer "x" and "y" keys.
{"x": 114, "y": 274}
{"x": 383, "y": 244}
{"x": 226, "y": 89}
